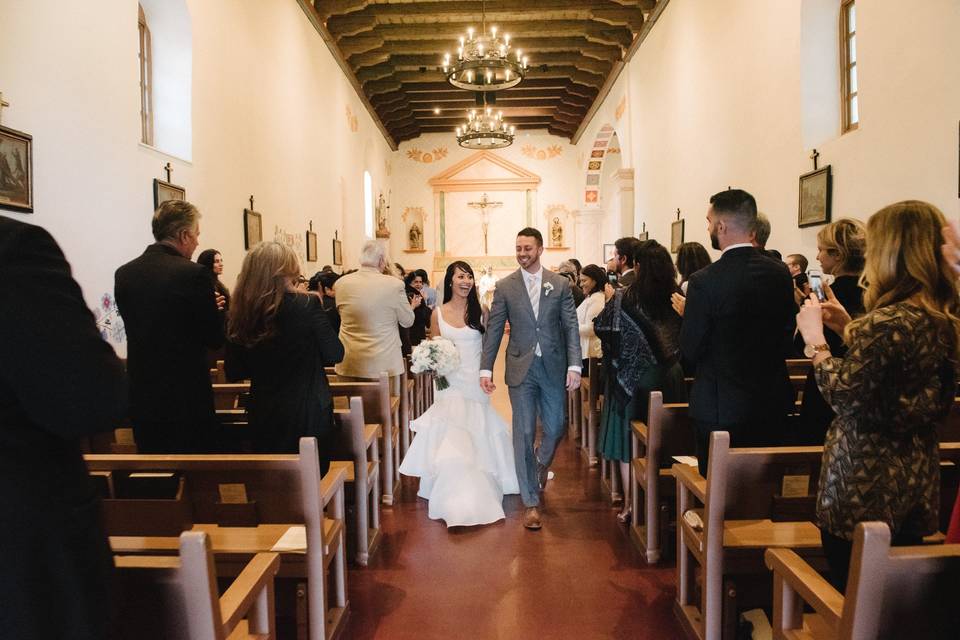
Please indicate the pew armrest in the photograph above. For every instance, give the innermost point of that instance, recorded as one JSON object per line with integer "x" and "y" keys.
{"x": 802, "y": 579}
{"x": 639, "y": 430}
{"x": 247, "y": 587}
{"x": 331, "y": 484}
{"x": 691, "y": 479}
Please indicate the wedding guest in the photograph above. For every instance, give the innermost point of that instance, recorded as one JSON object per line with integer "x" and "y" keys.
{"x": 691, "y": 257}
{"x": 841, "y": 250}
{"x": 592, "y": 281}
{"x": 59, "y": 382}
{"x": 738, "y": 321}
{"x": 429, "y": 293}
{"x": 623, "y": 251}
{"x": 399, "y": 271}
{"x": 640, "y": 336}
{"x": 172, "y": 316}
{"x": 797, "y": 266}
{"x": 371, "y": 305}
{"x": 280, "y": 338}
{"x": 324, "y": 283}
{"x": 578, "y": 266}
{"x": 422, "y": 312}
{"x": 892, "y": 390}
{"x": 213, "y": 261}
{"x": 569, "y": 271}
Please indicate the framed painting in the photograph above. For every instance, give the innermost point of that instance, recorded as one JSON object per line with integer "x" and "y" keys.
{"x": 815, "y": 196}
{"x": 644, "y": 236}
{"x": 16, "y": 170}
{"x": 252, "y": 228}
{"x": 337, "y": 252}
{"x": 608, "y": 251}
{"x": 163, "y": 191}
{"x": 676, "y": 235}
{"x": 311, "y": 246}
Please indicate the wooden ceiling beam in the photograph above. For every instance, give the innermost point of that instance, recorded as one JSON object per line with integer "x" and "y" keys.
{"x": 438, "y": 47}
{"x": 430, "y": 62}
{"x": 386, "y": 73}
{"x": 594, "y": 32}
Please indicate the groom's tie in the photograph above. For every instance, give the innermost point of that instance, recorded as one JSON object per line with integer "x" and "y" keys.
{"x": 534, "y": 292}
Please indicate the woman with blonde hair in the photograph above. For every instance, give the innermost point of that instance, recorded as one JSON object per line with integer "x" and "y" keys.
{"x": 841, "y": 247}
{"x": 279, "y": 337}
{"x": 893, "y": 388}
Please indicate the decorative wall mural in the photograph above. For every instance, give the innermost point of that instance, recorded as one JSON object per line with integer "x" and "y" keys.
{"x": 613, "y": 150}
{"x": 594, "y": 165}
{"x": 352, "y": 120}
{"x": 621, "y": 107}
{"x": 426, "y": 157}
{"x": 109, "y": 322}
{"x": 596, "y": 153}
{"x": 591, "y": 196}
{"x": 545, "y": 153}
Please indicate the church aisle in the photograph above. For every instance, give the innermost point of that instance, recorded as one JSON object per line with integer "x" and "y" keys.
{"x": 579, "y": 577}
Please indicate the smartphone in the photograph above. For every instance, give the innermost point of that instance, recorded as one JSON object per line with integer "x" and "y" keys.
{"x": 816, "y": 285}
{"x": 612, "y": 277}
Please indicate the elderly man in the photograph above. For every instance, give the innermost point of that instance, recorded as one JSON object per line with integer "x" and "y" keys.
{"x": 172, "y": 316}
{"x": 371, "y": 305}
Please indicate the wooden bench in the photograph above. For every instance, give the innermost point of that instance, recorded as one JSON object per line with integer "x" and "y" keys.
{"x": 666, "y": 432}
{"x": 590, "y": 413}
{"x": 381, "y": 408}
{"x": 230, "y": 395}
{"x": 799, "y": 366}
{"x": 175, "y": 598}
{"x": 281, "y": 492}
{"x": 739, "y": 522}
{"x": 218, "y": 374}
{"x": 900, "y": 592}
{"x": 362, "y": 477}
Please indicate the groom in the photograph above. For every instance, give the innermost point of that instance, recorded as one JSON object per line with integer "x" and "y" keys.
{"x": 543, "y": 361}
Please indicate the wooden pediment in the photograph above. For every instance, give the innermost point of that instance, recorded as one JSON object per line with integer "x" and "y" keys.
{"x": 485, "y": 170}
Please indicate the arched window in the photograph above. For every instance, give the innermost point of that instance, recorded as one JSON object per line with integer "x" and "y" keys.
{"x": 367, "y": 204}
{"x": 146, "y": 79}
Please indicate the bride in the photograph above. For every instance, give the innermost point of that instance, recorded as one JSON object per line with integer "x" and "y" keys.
{"x": 463, "y": 452}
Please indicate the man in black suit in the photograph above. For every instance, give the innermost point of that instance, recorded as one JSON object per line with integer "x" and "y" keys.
{"x": 623, "y": 250}
{"x": 59, "y": 381}
{"x": 172, "y": 316}
{"x": 737, "y": 325}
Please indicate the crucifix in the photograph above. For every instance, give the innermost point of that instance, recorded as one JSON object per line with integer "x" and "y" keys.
{"x": 483, "y": 204}
{"x": 2, "y": 105}
{"x": 169, "y": 170}
{"x": 251, "y": 203}
{"x": 814, "y": 156}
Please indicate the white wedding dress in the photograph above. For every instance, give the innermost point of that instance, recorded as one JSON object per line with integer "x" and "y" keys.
{"x": 463, "y": 451}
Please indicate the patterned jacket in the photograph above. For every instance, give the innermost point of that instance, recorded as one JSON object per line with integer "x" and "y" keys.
{"x": 890, "y": 392}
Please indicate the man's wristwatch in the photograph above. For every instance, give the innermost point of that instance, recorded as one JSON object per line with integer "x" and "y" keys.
{"x": 813, "y": 349}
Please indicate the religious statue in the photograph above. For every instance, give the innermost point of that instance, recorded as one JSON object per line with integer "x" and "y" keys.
{"x": 383, "y": 225}
{"x": 416, "y": 236}
{"x": 556, "y": 233}
{"x": 486, "y": 286}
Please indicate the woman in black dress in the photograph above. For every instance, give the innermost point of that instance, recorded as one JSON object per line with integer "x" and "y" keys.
{"x": 841, "y": 250}
{"x": 421, "y": 314}
{"x": 280, "y": 338}
{"x": 213, "y": 261}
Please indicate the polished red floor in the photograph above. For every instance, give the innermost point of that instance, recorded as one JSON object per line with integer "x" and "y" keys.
{"x": 578, "y": 577}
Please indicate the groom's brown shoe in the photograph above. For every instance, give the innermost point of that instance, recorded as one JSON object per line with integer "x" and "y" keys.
{"x": 531, "y": 518}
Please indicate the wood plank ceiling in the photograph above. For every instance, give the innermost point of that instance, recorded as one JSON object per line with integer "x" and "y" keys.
{"x": 394, "y": 49}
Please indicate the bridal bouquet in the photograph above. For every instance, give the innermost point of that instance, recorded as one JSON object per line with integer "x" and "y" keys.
{"x": 438, "y": 355}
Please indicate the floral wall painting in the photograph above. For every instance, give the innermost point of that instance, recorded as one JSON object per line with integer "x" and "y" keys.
{"x": 621, "y": 107}
{"x": 353, "y": 123}
{"x": 594, "y": 165}
{"x": 427, "y": 157}
{"x": 591, "y": 196}
{"x": 544, "y": 153}
{"x": 596, "y": 153}
{"x": 109, "y": 322}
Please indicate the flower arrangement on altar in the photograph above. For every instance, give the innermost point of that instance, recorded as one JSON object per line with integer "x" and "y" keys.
{"x": 438, "y": 355}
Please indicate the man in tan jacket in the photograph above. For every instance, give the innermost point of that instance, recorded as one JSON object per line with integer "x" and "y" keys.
{"x": 371, "y": 305}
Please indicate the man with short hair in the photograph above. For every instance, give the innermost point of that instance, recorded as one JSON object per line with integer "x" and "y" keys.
{"x": 797, "y": 266}
{"x": 172, "y": 316}
{"x": 623, "y": 251}
{"x": 737, "y": 325}
{"x": 371, "y": 305}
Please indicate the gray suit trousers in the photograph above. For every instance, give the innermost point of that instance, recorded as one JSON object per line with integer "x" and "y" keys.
{"x": 537, "y": 394}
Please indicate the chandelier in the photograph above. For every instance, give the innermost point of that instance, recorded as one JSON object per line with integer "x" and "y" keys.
{"x": 485, "y": 62}
{"x": 485, "y": 131}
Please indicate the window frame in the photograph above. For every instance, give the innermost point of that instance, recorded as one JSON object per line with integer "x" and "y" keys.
{"x": 847, "y": 96}
{"x": 145, "y": 56}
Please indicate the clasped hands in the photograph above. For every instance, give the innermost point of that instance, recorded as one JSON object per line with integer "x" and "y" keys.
{"x": 573, "y": 382}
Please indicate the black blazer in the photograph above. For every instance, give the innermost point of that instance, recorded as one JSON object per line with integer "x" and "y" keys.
{"x": 58, "y": 381}
{"x": 737, "y": 329}
{"x": 289, "y": 393}
{"x": 170, "y": 312}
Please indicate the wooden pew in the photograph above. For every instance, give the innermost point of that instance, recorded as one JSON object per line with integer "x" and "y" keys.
{"x": 799, "y": 367}
{"x": 218, "y": 374}
{"x": 738, "y": 524}
{"x": 666, "y": 432}
{"x": 175, "y": 598}
{"x": 590, "y": 414}
{"x": 362, "y": 477}
{"x": 901, "y": 592}
{"x": 281, "y": 491}
{"x": 230, "y": 395}
{"x": 381, "y": 408}
{"x": 405, "y": 409}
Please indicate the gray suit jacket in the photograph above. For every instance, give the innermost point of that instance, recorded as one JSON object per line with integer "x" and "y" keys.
{"x": 556, "y": 328}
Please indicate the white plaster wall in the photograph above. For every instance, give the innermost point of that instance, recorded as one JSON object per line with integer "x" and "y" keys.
{"x": 559, "y": 186}
{"x": 269, "y": 119}
{"x": 715, "y": 97}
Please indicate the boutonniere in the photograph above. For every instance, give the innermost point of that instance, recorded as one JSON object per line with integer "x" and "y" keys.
{"x": 547, "y": 288}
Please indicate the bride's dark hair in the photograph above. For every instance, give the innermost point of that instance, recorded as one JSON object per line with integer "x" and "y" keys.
{"x": 474, "y": 315}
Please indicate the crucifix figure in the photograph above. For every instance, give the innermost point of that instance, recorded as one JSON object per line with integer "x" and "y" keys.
{"x": 483, "y": 204}
{"x": 251, "y": 203}
{"x": 2, "y": 105}
{"x": 169, "y": 170}
{"x": 814, "y": 156}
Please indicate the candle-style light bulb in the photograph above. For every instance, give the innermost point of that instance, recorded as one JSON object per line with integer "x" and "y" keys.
{"x": 470, "y": 33}
{"x": 489, "y": 110}
{"x": 507, "y": 75}
{"x": 489, "y": 77}
{"x": 493, "y": 32}
{"x": 524, "y": 62}
{"x": 480, "y": 49}
{"x": 519, "y": 54}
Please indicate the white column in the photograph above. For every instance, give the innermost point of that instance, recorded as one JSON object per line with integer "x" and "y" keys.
{"x": 588, "y": 248}
{"x": 624, "y": 181}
